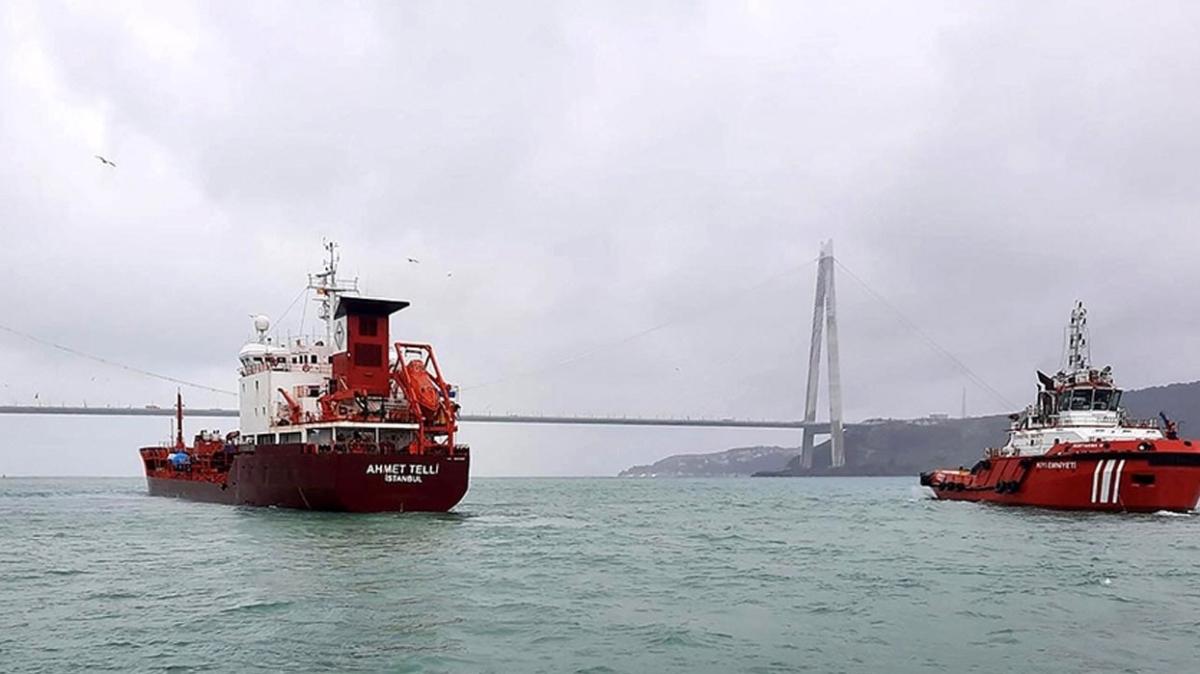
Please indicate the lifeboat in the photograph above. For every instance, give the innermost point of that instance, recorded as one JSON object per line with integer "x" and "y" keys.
{"x": 1075, "y": 448}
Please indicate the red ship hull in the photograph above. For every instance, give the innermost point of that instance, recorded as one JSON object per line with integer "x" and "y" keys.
{"x": 292, "y": 476}
{"x": 1119, "y": 476}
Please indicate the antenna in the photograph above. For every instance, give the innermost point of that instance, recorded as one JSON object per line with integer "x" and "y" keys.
{"x": 329, "y": 287}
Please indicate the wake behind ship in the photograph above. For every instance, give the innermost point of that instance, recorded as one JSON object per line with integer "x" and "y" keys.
{"x": 339, "y": 423}
{"x": 1075, "y": 448}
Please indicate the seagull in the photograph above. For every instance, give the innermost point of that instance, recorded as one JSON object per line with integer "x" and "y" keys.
{"x": 414, "y": 260}
{"x": 105, "y": 161}
{"x": 449, "y": 274}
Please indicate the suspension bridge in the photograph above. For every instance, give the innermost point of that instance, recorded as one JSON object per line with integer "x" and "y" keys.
{"x": 824, "y": 337}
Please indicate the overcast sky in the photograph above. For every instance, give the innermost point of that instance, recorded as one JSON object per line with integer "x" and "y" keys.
{"x": 571, "y": 176}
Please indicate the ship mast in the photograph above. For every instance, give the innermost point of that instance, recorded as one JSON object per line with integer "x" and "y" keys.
{"x": 178, "y": 420}
{"x": 329, "y": 287}
{"x": 1079, "y": 351}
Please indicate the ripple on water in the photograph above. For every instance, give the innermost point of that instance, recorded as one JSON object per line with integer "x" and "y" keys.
{"x": 593, "y": 576}
{"x": 258, "y": 607}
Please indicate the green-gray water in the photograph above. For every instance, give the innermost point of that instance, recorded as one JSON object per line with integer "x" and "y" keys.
{"x": 593, "y": 575}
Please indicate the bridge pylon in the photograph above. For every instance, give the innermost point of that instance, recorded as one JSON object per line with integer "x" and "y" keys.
{"x": 824, "y": 324}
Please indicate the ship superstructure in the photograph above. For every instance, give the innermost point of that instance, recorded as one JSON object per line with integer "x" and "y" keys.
{"x": 346, "y": 421}
{"x": 1080, "y": 403}
{"x": 1075, "y": 447}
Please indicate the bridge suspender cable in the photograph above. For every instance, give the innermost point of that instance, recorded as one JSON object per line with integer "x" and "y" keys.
{"x": 130, "y": 368}
{"x": 970, "y": 374}
{"x": 641, "y": 333}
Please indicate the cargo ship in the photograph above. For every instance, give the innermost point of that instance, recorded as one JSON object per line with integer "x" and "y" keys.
{"x": 347, "y": 421}
{"x": 1075, "y": 448}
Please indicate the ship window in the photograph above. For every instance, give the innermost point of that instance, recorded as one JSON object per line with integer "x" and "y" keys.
{"x": 368, "y": 355}
{"x": 1115, "y": 403}
{"x": 1081, "y": 399}
{"x": 368, "y": 326}
{"x": 313, "y": 359}
{"x": 1102, "y": 400}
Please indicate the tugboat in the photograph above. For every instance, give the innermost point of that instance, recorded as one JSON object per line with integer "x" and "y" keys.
{"x": 336, "y": 424}
{"x": 1076, "y": 449}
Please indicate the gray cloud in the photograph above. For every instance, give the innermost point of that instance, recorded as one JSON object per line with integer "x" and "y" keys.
{"x": 584, "y": 173}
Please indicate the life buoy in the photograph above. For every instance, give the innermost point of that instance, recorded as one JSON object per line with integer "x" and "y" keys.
{"x": 305, "y": 367}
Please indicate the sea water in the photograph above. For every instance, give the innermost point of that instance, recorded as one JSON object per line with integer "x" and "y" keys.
{"x": 593, "y": 575}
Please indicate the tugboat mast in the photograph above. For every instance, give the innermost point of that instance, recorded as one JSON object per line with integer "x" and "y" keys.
{"x": 1079, "y": 350}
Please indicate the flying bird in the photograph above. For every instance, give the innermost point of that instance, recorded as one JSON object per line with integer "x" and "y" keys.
{"x": 105, "y": 161}
{"x": 414, "y": 260}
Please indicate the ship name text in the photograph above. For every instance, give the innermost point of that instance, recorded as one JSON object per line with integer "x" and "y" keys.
{"x": 402, "y": 472}
{"x": 1057, "y": 465}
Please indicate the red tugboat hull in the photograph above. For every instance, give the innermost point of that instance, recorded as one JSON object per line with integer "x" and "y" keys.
{"x": 292, "y": 476}
{"x": 1119, "y": 476}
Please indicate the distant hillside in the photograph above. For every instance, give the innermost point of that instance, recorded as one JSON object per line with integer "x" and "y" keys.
{"x": 729, "y": 463}
{"x": 901, "y": 447}
{"x": 1181, "y": 402}
{"x": 906, "y": 447}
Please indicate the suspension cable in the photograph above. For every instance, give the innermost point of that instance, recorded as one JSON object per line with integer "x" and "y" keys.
{"x": 679, "y": 318}
{"x": 962, "y": 367}
{"x": 130, "y": 368}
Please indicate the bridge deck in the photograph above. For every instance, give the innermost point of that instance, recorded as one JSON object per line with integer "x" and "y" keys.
{"x": 818, "y": 427}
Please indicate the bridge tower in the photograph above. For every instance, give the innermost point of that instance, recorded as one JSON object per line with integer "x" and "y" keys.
{"x": 824, "y": 321}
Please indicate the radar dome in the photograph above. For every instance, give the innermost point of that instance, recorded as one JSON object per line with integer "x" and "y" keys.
{"x": 262, "y": 323}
